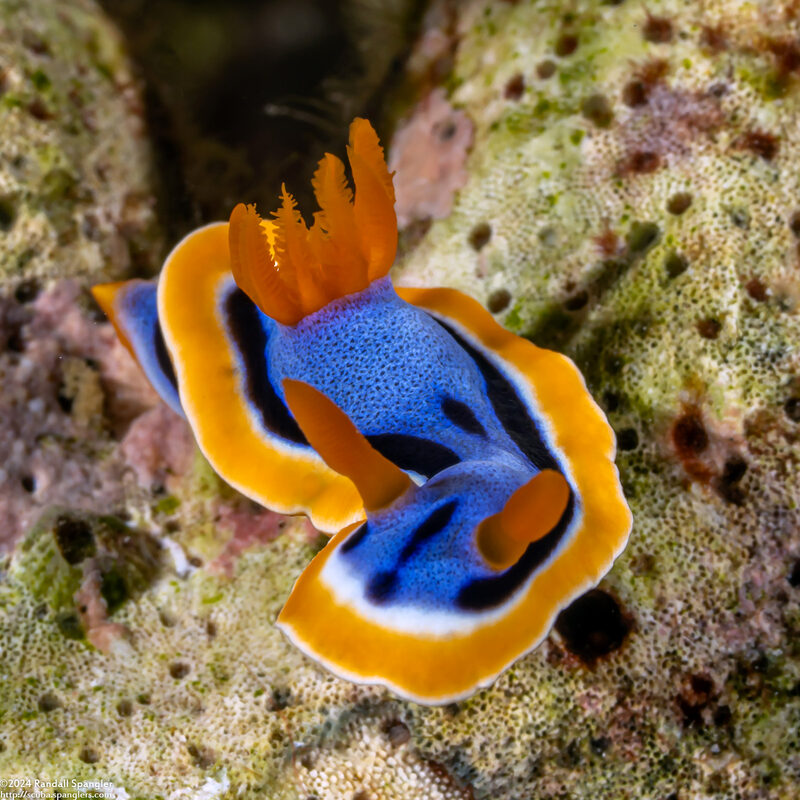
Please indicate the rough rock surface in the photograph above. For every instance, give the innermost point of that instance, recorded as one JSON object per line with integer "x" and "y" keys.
{"x": 631, "y": 200}
{"x": 75, "y": 182}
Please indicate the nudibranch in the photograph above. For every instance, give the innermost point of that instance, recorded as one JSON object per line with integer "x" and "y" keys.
{"x": 467, "y": 475}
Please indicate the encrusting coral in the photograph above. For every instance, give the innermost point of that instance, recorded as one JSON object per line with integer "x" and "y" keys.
{"x": 632, "y": 200}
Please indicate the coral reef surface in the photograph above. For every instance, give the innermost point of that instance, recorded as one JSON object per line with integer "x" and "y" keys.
{"x": 631, "y": 199}
{"x": 75, "y": 182}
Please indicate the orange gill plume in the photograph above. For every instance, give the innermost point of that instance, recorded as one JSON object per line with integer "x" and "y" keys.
{"x": 290, "y": 271}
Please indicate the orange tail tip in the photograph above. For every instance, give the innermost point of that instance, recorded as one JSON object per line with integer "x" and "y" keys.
{"x": 105, "y": 294}
{"x": 530, "y": 513}
{"x": 288, "y": 270}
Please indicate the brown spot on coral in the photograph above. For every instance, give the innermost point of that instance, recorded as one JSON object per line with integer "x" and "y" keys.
{"x": 714, "y": 38}
{"x": 48, "y": 702}
{"x": 689, "y": 435}
{"x": 641, "y": 162}
{"x": 125, "y": 707}
{"x": 657, "y": 30}
{"x": 515, "y": 87}
{"x": 178, "y": 670}
{"x": 480, "y": 235}
{"x": 202, "y": 757}
{"x": 88, "y": 756}
{"x": 762, "y": 143}
{"x": 634, "y": 93}
{"x": 679, "y": 202}
{"x": 499, "y": 300}
{"x": 546, "y": 69}
{"x": 593, "y": 626}
{"x": 690, "y": 440}
{"x": 756, "y": 289}
{"x": 709, "y": 328}
{"x": 637, "y": 91}
{"x": 596, "y": 108}
{"x": 566, "y": 44}
{"x": 787, "y": 54}
{"x": 39, "y": 110}
{"x": 668, "y": 123}
{"x": 608, "y": 242}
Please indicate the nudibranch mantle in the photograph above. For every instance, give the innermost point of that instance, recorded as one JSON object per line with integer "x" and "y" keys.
{"x": 469, "y": 474}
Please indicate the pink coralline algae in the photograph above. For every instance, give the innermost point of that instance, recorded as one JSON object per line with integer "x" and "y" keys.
{"x": 428, "y": 155}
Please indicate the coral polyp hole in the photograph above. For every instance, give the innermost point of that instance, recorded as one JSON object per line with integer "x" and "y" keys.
{"x": 600, "y": 745}
{"x": 611, "y": 401}
{"x": 593, "y": 626}
{"x": 566, "y": 44}
{"x": 88, "y": 756}
{"x": 722, "y": 716}
{"x": 734, "y": 469}
{"x": 124, "y": 708}
{"x": 480, "y": 235}
{"x": 515, "y": 87}
{"x": 675, "y": 264}
{"x": 728, "y": 483}
{"x": 597, "y": 108}
{"x": 679, "y": 202}
{"x": 794, "y": 224}
{"x": 709, "y": 328}
{"x": 499, "y": 300}
{"x": 8, "y": 213}
{"x": 657, "y": 30}
{"x": 445, "y": 130}
{"x": 545, "y": 69}
{"x": 628, "y": 439}
{"x": 642, "y": 236}
{"x": 792, "y": 409}
{"x": 74, "y": 539}
{"x": 27, "y": 291}
{"x": 689, "y": 435}
{"x": 794, "y": 575}
{"x": 49, "y": 702}
{"x": 756, "y": 289}
{"x": 178, "y": 670}
{"x": 644, "y": 162}
{"x": 28, "y": 483}
{"x": 577, "y": 301}
{"x": 634, "y": 94}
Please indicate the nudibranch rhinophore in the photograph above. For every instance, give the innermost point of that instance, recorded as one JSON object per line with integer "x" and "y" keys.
{"x": 467, "y": 474}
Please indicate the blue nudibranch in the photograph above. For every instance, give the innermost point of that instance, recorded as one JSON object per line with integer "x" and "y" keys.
{"x": 467, "y": 474}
